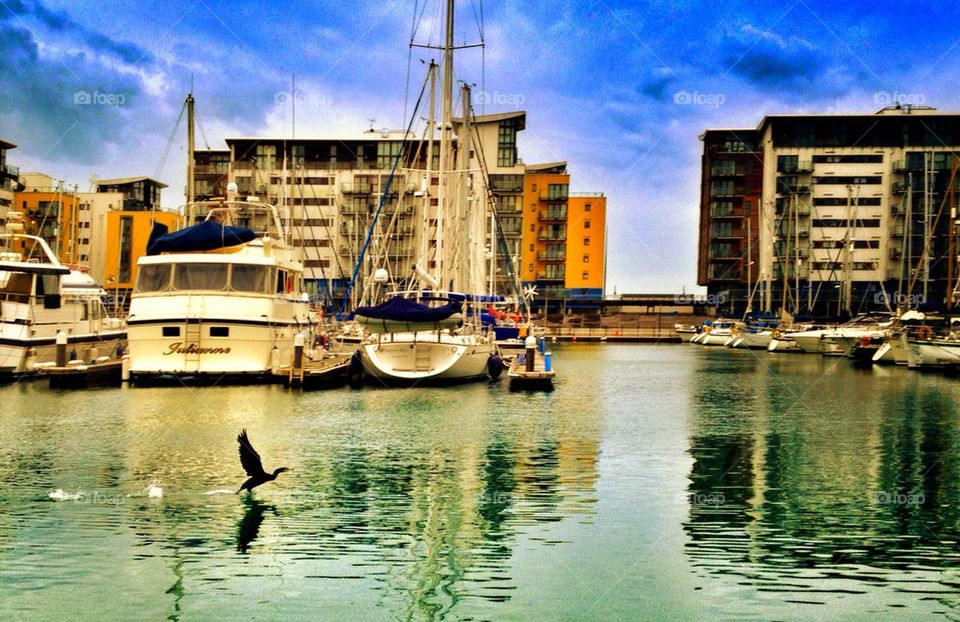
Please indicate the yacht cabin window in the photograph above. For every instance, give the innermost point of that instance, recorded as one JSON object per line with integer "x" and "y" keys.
{"x": 200, "y": 276}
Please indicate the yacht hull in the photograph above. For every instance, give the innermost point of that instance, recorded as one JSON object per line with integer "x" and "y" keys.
{"x": 175, "y": 346}
{"x": 403, "y": 359}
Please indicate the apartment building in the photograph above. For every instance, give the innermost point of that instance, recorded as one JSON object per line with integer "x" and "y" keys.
{"x": 329, "y": 189}
{"x": 849, "y": 210}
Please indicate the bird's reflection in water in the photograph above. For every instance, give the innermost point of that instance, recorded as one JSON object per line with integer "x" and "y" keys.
{"x": 249, "y": 526}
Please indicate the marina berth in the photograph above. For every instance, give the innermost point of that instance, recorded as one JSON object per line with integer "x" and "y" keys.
{"x": 216, "y": 300}
{"x": 41, "y": 298}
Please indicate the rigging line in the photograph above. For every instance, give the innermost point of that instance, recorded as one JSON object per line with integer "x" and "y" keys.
{"x": 173, "y": 134}
{"x": 203, "y": 133}
{"x": 376, "y": 215}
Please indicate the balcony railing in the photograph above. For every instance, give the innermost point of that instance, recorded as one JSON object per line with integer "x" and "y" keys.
{"x": 727, "y": 170}
{"x": 785, "y": 189}
{"x": 553, "y": 237}
{"x": 552, "y": 196}
{"x": 724, "y": 273}
{"x": 803, "y": 166}
{"x": 348, "y": 188}
{"x": 551, "y": 256}
{"x": 550, "y": 276}
{"x": 11, "y": 170}
{"x": 552, "y": 215}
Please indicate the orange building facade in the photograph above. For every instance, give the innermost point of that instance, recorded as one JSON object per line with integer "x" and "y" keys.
{"x": 563, "y": 248}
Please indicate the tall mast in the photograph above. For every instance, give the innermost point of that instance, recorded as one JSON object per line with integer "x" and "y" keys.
{"x": 431, "y": 134}
{"x": 190, "y": 163}
{"x": 847, "y": 289}
{"x": 446, "y": 114}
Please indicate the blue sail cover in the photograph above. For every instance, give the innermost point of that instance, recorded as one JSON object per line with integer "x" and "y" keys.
{"x": 403, "y": 310}
{"x": 204, "y": 236}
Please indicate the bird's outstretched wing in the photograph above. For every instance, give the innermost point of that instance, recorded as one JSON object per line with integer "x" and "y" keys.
{"x": 249, "y": 457}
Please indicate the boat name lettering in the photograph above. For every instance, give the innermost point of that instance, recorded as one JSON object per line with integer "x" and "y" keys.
{"x": 192, "y": 348}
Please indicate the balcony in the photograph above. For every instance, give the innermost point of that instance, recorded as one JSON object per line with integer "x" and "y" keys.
{"x": 724, "y": 255}
{"x": 554, "y": 237}
{"x": 549, "y": 196}
{"x": 783, "y": 189}
{"x": 803, "y": 166}
{"x": 724, "y": 272}
{"x": 728, "y": 233}
{"x": 725, "y": 213}
{"x": 550, "y": 276}
{"x": 551, "y": 256}
{"x": 728, "y": 170}
{"x": 348, "y": 188}
{"x": 10, "y": 170}
{"x": 552, "y": 215}
{"x": 895, "y": 253}
{"x": 896, "y": 231}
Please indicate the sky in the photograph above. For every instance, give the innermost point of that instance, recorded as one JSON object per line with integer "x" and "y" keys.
{"x": 619, "y": 90}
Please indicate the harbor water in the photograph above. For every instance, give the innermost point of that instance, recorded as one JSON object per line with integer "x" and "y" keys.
{"x": 655, "y": 482}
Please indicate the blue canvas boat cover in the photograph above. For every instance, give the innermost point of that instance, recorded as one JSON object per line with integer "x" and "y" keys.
{"x": 204, "y": 236}
{"x": 405, "y": 310}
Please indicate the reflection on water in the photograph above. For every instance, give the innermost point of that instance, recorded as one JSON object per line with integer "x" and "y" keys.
{"x": 668, "y": 482}
{"x": 403, "y": 504}
{"x": 812, "y": 479}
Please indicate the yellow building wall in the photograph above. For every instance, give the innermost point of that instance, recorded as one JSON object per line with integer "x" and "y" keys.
{"x": 141, "y": 223}
{"x": 586, "y": 225}
{"x": 535, "y": 185}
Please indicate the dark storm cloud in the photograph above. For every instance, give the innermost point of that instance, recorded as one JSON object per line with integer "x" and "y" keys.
{"x": 62, "y": 24}
{"x": 47, "y": 105}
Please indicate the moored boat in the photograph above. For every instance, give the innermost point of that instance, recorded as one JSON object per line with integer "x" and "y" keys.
{"x": 40, "y": 297}
{"x": 216, "y": 301}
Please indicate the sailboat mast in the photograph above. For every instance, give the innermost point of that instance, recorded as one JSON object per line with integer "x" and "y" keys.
{"x": 190, "y": 141}
{"x": 446, "y": 114}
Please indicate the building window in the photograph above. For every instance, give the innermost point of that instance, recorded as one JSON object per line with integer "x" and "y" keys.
{"x": 387, "y": 152}
{"x": 586, "y": 207}
{"x": 530, "y": 268}
{"x": 533, "y": 207}
{"x": 126, "y": 248}
{"x": 586, "y": 241}
{"x": 586, "y": 259}
{"x": 507, "y": 143}
{"x": 532, "y": 247}
{"x": 533, "y": 227}
{"x": 585, "y": 276}
{"x": 586, "y": 224}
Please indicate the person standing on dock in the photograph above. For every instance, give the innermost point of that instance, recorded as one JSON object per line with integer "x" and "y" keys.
{"x": 530, "y": 343}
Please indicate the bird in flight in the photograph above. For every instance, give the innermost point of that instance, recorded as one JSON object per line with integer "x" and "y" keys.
{"x": 250, "y": 460}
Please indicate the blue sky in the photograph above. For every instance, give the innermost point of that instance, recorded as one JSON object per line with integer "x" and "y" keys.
{"x": 620, "y": 90}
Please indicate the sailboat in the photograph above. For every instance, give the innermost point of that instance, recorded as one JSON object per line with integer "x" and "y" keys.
{"x": 435, "y": 333}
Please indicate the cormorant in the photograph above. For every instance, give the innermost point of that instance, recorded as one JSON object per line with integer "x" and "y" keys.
{"x": 250, "y": 460}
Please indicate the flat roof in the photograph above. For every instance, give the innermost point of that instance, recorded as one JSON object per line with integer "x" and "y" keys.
{"x": 122, "y": 181}
{"x": 546, "y": 166}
